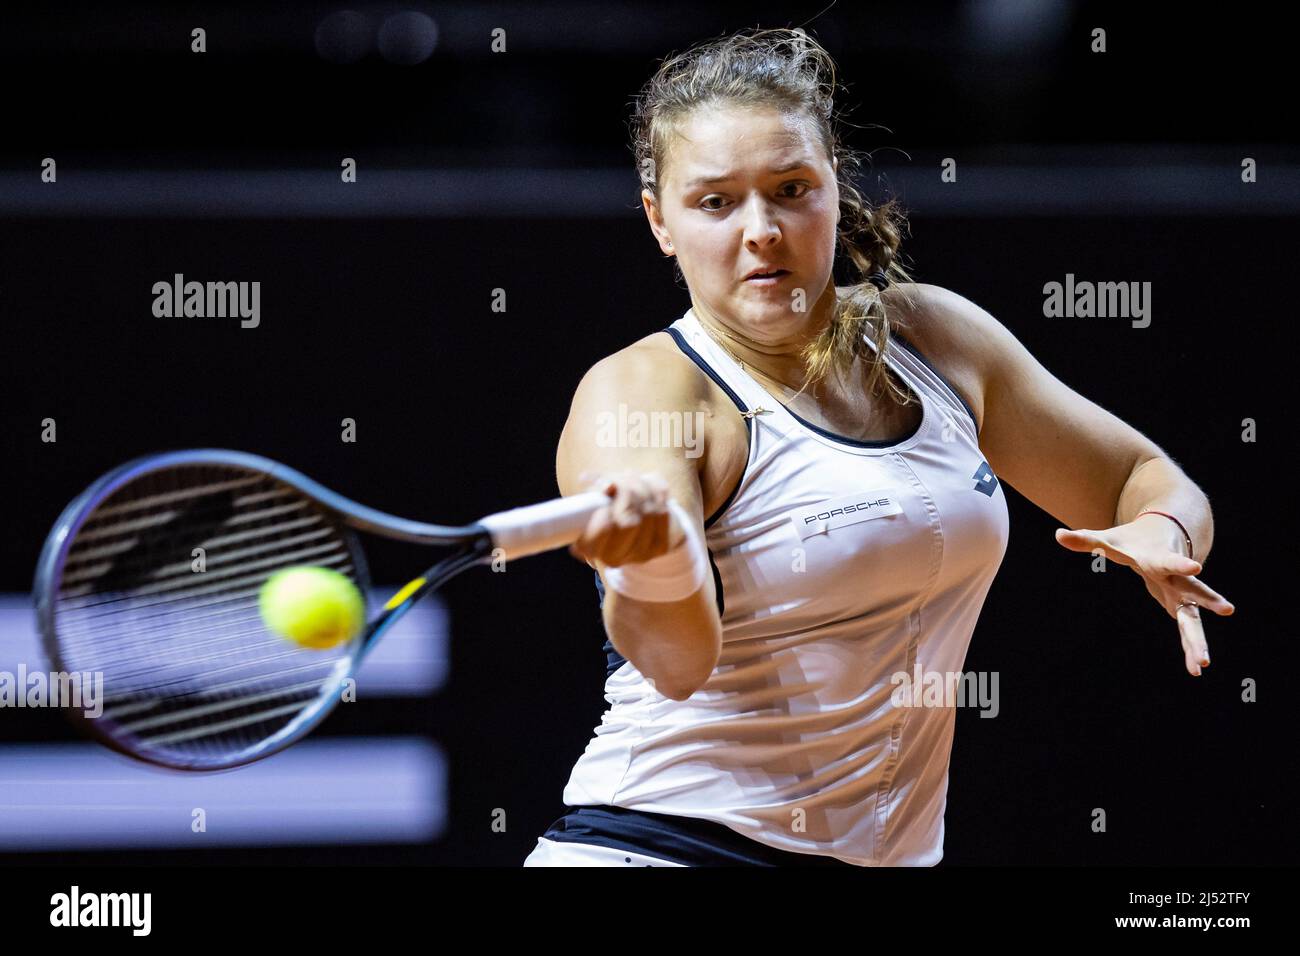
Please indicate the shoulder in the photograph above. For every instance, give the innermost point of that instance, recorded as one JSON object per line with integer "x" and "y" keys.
{"x": 650, "y": 368}
{"x": 653, "y": 376}
{"x": 939, "y": 318}
{"x": 955, "y": 336}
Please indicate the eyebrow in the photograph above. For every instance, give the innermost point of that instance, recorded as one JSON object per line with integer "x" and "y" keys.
{"x": 727, "y": 177}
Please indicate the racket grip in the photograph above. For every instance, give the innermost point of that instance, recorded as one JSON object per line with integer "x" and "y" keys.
{"x": 533, "y": 529}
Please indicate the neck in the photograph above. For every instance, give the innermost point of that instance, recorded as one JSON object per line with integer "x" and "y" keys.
{"x": 779, "y": 361}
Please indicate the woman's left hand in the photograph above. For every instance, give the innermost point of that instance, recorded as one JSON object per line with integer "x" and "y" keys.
{"x": 1169, "y": 575}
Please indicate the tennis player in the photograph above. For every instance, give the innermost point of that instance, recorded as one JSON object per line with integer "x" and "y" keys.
{"x": 844, "y": 517}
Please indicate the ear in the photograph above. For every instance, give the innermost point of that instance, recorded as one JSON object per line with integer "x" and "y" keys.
{"x": 656, "y": 222}
{"x": 835, "y": 167}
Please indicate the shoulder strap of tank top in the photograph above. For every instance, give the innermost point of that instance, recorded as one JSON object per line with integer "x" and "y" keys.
{"x": 922, "y": 375}
{"x": 699, "y": 346}
{"x": 907, "y": 361}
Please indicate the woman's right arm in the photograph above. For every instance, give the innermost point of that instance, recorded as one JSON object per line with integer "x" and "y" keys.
{"x": 675, "y": 644}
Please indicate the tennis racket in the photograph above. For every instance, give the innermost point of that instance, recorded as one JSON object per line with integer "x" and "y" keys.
{"x": 192, "y": 678}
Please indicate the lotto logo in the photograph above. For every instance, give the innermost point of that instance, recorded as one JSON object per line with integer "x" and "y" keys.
{"x": 985, "y": 481}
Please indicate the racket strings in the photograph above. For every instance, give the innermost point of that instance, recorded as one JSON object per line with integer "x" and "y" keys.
{"x": 216, "y": 581}
{"x": 130, "y": 557}
{"x": 231, "y": 590}
{"x": 189, "y": 668}
{"x": 123, "y": 546}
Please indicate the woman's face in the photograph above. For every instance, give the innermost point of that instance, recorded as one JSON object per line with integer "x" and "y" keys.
{"x": 773, "y": 202}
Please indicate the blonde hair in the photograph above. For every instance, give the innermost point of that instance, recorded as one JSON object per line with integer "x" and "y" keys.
{"x": 786, "y": 69}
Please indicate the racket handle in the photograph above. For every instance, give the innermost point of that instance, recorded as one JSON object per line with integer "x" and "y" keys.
{"x": 533, "y": 529}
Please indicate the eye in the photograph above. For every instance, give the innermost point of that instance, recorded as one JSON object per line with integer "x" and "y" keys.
{"x": 805, "y": 187}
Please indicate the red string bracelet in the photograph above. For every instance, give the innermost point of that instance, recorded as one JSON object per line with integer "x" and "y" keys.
{"x": 1152, "y": 511}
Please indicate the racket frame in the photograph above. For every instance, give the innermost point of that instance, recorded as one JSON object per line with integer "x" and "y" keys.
{"x": 476, "y": 548}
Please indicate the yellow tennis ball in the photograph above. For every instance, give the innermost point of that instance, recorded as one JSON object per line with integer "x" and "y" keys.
{"x": 314, "y": 607}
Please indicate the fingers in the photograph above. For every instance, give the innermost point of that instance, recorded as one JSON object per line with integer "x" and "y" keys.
{"x": 1184, "y": 605}
{"x": 633, "y": 527}
{"x": 1196, "y": 652}
{"x": 1092, "y": 541}
{"x": 1169, "y": 577}
{"x": 1080, "y": 540}
{"x": 1169, "y": 563}
{"x": 1172, "y": 590}
{"x": 657, "y": 521}
{"x": 596, "y": 482}
{"x": 622, "y": 529}
{"x": 1206, "y": 597}
{"x": 1182, "y": 598}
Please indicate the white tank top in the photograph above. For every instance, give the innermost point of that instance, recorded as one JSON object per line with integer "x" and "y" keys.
{"x": 842, "y": 564}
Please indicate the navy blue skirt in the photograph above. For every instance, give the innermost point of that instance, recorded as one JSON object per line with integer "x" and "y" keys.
{"x": 686, "y": 840}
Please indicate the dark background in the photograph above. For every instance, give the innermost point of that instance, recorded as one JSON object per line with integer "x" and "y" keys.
{"x": 511, "y": 171}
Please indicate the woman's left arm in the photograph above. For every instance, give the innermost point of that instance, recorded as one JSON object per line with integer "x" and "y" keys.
{"x": 1082, "y": 465}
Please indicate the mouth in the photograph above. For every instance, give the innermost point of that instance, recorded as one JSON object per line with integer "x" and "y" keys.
{"x": 767, "y": 277}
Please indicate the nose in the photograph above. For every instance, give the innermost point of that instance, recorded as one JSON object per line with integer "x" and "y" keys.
{"x": 760, "y": 225}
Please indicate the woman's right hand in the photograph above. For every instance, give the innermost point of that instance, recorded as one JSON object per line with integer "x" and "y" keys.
{"x": 635, "y": 526}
